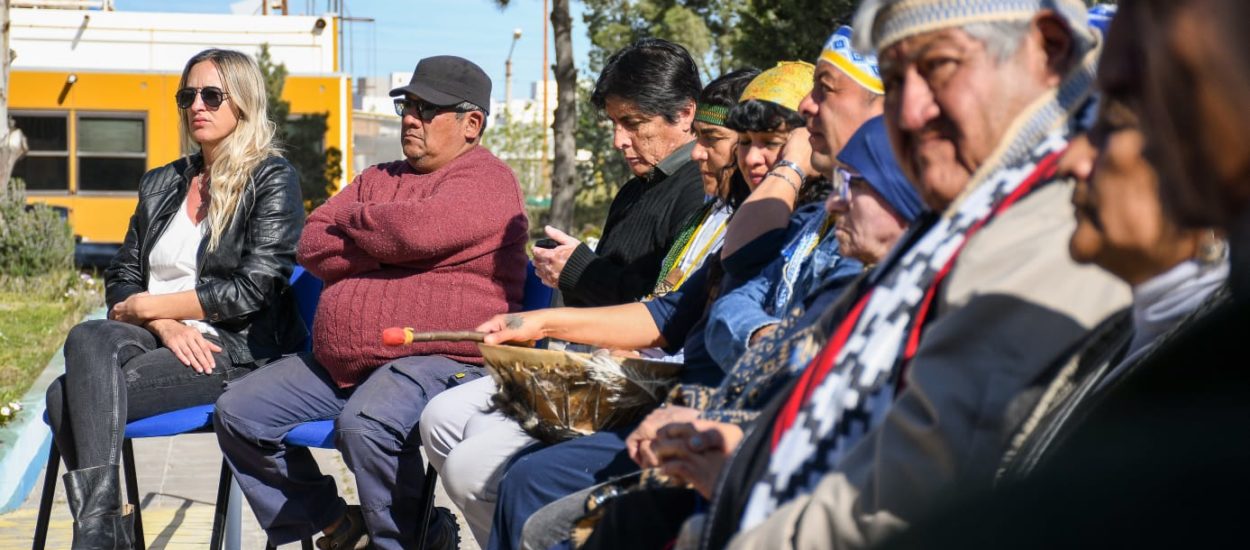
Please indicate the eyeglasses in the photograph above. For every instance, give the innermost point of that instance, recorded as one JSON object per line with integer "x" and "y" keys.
{"x": 842, "y": 180}
{"x": 423, "y": 109}
{"x": 212, "y": 96}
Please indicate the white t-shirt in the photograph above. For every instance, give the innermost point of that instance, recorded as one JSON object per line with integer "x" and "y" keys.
{"x": 172, "y": 261}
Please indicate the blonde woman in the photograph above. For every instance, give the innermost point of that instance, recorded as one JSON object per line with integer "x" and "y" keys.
{"x": 197, "y": 294}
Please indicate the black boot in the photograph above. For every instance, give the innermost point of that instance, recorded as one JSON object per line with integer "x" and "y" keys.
{"x": 95, "y": 501}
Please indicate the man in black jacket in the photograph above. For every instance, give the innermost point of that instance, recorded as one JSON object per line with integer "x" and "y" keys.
{"x": 648, "y": 90}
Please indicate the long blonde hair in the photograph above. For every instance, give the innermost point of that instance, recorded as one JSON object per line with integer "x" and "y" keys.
{"x": 251, "y": 142}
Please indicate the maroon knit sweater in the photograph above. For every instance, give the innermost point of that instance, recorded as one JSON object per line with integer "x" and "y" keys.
{"x": 437, "y": 251}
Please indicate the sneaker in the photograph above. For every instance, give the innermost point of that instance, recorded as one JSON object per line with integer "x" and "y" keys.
{"x": 350, "y": 534}
{"x": 443, "y": 532}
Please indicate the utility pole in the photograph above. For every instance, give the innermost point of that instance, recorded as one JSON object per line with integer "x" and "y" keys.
{"x": 12, "y": 142}
{"x": 507, "y": 78}
{"x": 542, "y": 171}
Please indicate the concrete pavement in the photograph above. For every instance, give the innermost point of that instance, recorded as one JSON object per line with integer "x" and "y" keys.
{"x": 177, "y": 488}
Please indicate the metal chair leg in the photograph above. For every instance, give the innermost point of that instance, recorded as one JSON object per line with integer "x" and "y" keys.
{"x": 427, "y": 505}
{"x": 306, "y": 543}
{"x": 223, "y": 502}
{"x": 132, "y": 491}
{"x": 51, "y": 471}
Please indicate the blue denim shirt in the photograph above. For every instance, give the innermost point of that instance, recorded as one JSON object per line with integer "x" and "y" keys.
{"x": 777, "y": 289}
{"x": 747, "y": 262}
{"x": 680, "y": 317}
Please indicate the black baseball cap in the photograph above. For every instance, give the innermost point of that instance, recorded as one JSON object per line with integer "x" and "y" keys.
{"x": 445, "y": 80}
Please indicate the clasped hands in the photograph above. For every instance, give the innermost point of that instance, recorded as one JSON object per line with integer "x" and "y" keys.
{"x": 186, "y": 343}
{"x": 682, "y": 445}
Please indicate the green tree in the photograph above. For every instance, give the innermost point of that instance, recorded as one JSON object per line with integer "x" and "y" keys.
{"x": 612, "y": 24}
{"x": 302, "y": 137}
{"x": 775, "y": 30}
{"x": 519, "y": 144}
{"x": 34, "y": 239}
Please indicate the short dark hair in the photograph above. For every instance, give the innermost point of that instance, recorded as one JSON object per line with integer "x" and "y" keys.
{"x": 658, "y": 76}
{"x": 754, "y": 115}
{"x": 725, "y": 91}
{"x": 466, "y": 107}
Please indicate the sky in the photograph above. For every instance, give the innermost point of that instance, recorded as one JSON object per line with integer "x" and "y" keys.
{"x": 405, "y": 31}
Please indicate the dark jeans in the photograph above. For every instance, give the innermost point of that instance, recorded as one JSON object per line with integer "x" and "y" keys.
{"x": 117, "y": 372}
{"x": 376, "y": 432}
{"x": 551, "y": 473}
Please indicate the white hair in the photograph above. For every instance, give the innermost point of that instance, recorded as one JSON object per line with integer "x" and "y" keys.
{"x": 1001, "y": 38}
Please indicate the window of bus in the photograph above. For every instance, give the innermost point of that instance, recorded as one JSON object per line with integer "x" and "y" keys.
{"x": 45, "y": 167}
{"x": 112, "y": 152}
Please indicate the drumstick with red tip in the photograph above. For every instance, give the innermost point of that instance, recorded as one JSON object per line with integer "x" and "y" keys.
{"x": 402, "y": 336}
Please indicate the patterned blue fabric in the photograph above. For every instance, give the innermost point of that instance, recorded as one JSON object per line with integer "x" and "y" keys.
{"x": 680, "y": 317}
{"x": 767, "y": 297}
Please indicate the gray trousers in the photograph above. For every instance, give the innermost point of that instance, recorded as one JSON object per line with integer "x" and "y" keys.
{"x": 470, "y": 447}
{"x": 376, "y": 423}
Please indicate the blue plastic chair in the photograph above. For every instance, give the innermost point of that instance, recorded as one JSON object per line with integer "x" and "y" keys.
{"x": 189, "y": 420}
{"x": 319, "y": 434}
{"x": 197, "y": 419}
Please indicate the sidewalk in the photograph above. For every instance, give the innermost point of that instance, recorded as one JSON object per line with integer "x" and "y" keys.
{"x": 177, "y": 489}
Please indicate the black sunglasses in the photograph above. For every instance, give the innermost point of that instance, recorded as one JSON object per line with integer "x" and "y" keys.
{"x": 212, "y": 96}
{"x": 424, "y": 110}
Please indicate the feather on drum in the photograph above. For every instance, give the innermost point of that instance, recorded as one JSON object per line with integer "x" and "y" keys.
{"x": 560, "y": 395}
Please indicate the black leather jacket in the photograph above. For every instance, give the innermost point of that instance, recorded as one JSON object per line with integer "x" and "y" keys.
{"x": 242, "y": 285}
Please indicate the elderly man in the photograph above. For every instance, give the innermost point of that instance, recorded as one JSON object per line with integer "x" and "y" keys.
{"x": 648, "y": 90}
{"x": 925, "y": 364}
{"x": 427, "y": 242}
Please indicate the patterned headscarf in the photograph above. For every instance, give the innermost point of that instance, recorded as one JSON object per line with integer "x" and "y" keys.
{"x": 786, "y": 84}
{"x": 882, "y": 23}
{"x": 860, "y": 67}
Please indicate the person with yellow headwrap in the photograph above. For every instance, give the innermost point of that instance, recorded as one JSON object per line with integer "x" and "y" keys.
{"x": 843, "y": 92}
{"x": 765, "y": 116}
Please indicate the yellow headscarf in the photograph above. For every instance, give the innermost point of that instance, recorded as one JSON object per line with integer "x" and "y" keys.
{"x": 786, "y": 84}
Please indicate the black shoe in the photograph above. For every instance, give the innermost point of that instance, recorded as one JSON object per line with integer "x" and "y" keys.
{"x": 349, "y": 535}
{"x": 443, "y": 533}
{"x": 94, "y": 496}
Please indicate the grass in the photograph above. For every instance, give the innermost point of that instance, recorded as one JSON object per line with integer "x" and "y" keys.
{"x": 35, "y": 314}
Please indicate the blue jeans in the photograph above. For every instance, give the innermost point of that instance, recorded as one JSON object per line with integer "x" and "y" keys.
{"x": 376, "y": 430}
{"x": 545, "y": 475}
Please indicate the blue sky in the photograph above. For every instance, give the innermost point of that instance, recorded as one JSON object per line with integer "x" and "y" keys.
{"x": 407, "y": 30}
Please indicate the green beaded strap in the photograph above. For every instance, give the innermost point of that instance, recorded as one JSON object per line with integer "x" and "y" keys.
{"x": 683, "y": 238}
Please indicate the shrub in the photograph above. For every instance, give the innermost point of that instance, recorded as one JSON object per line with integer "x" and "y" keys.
{"x": 34, "y": 239}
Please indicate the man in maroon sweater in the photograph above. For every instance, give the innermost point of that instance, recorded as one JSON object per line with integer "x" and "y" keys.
{"x": 433, "y": 242}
